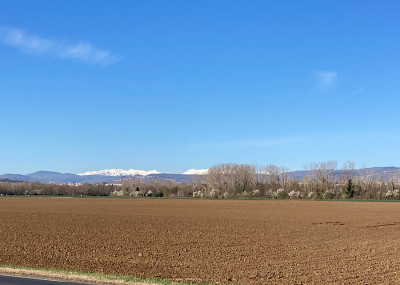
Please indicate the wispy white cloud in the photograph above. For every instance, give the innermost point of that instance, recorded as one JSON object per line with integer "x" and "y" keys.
{"x": 326, "y": 79}
{"x": 32, "y": 44}
{"x": 357, "y": 92}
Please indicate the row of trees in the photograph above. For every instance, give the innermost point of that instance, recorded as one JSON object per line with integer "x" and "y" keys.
{"x": 36, "y": 188}
{"x": 318, "y": 181}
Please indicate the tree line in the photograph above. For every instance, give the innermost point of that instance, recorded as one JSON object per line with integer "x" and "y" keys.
{"x": 321, "y": 181}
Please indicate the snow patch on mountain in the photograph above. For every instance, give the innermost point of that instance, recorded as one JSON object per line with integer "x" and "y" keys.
{"x": 120, "y": 172}
{"x": 196, "y": 171}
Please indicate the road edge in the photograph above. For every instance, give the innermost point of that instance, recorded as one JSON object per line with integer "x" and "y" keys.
{"x": 68, "y": 276}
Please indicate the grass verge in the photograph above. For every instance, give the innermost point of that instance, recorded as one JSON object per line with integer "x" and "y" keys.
{"x": 202, "y": 199}
{"x": 86, "y": 277}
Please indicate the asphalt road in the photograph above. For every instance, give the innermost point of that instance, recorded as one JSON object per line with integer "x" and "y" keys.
{"x": 12, "y": 280}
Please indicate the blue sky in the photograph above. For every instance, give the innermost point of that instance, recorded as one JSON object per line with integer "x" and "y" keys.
{"x": 173, "y": 85}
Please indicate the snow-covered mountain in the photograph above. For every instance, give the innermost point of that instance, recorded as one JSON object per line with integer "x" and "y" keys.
{"x": 196, "y": 171}
{"x": 120, "y": 172}
{"x": 133, "y": 172}
{"x": 103, "y": 176}
{"x": 57, "y": 177}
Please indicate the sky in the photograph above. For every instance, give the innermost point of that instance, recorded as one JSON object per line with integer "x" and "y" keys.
{"x": 173, "y": 85}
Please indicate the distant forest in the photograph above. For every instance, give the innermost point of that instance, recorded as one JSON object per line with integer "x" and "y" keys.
{"x": 322, "y": 181}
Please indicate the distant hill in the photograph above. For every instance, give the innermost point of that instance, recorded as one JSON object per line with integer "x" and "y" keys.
{"x": 57, "y": 177}
{"x": 8, "y": 180}
{"x": 376, "y": 172}
{"x": 14, "y": 177}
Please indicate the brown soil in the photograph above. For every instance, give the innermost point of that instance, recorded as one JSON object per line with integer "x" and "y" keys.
{"x": 222, "y": 241}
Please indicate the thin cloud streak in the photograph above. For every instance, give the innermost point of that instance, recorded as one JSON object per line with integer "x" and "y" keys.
{"x": 265, "y": 142}
{"x": 313, "y": 138}
{"x": 32, "y": 44}
{"x": 326, "y": 79}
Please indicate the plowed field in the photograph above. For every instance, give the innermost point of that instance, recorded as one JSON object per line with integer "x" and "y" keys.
{"x": 221, "y": 241}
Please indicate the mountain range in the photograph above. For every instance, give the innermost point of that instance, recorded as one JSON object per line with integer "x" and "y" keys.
{"x": 117, "y": 175}
{"x": 101, "y": 176}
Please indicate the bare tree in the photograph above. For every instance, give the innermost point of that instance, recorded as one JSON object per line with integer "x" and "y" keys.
{"x": 322, "y": 175}
{"x": 231, "y": 179}
{"x": 346, "y": 178}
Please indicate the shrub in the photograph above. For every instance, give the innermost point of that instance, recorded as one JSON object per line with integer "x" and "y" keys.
{"x": 213, "y": 193}
{"x": 392, "y": 194}
{"x": 318, "y": 193}
{"x": 182, "y": 193}
{"x": 281, "y": 193}
{"x": 311, "y": 195}
{"x": 197, "y": 194}
{"x": 271, "y": 194}
{"x": 118, "y": 193}
{"x": 329, "y": 194}
{"x": 349, "y": 189}
{"x": 294, "y": 194}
